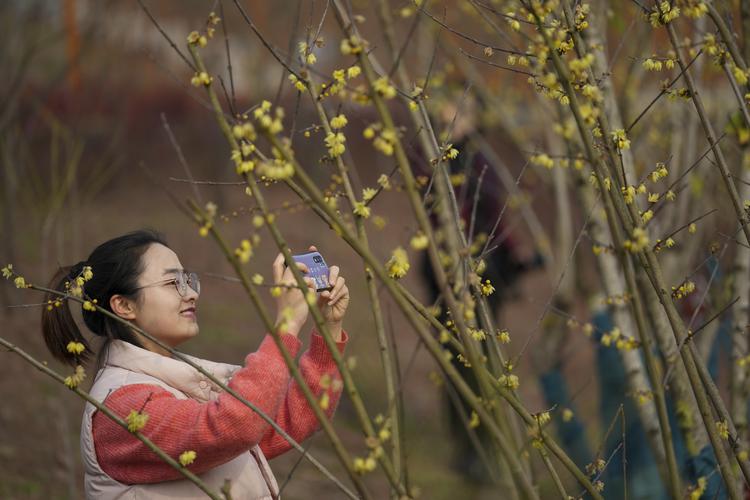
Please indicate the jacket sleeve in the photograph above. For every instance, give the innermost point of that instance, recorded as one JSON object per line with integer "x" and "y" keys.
{"x": 295, "y": 416}
{"x": 217, "y": 431}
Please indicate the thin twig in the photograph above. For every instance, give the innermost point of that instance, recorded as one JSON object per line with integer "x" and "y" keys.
{"x": 164, "y": 34}
{"x": 181, "y": 157}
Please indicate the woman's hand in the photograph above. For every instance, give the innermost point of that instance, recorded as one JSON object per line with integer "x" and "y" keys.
{"x": 333, "y": 303}
{"x": 291, "y": 306}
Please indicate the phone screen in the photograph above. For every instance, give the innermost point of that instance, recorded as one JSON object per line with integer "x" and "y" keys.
{"x": 318, "y": 269}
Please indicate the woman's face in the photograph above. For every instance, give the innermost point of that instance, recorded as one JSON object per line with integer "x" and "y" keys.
{"x": 160, "y": 309}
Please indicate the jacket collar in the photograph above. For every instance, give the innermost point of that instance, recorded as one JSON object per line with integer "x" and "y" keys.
{"x": 174, "y": 372}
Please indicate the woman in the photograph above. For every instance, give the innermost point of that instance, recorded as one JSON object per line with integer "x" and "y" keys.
{"x": 141, "y": 280}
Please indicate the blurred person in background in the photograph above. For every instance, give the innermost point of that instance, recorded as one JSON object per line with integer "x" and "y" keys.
{"x": 459, "y": 116}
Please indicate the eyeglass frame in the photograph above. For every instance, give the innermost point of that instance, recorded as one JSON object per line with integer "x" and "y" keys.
{"x": 181, "y": 281}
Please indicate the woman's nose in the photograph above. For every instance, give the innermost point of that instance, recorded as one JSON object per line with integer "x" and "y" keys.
{"x": 190, "y": 294}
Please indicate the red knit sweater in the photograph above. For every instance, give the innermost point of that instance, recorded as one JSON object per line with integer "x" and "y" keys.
{"x": 219, "y": 430}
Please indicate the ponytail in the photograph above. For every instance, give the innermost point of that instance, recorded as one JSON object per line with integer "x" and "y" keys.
{"x": 58, "y": 326}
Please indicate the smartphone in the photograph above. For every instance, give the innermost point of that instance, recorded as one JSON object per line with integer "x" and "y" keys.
{"x": 318, "y": 269}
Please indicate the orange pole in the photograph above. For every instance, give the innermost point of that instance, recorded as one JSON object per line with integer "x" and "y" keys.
{"x": 72, "y": 44}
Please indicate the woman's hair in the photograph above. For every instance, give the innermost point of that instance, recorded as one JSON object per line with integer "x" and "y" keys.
{"x": 115, "y": 265}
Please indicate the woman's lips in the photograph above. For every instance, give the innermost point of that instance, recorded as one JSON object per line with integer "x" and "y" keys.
{"x": 189, "y": 313}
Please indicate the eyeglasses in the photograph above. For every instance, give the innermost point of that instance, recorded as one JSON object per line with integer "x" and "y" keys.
{"x": 181, "y": 281}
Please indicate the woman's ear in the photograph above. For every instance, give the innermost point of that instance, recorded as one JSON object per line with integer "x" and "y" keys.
{"x": 122, "y": 306}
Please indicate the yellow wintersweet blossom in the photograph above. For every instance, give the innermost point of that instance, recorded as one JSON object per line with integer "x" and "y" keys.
{"x": 257, "y": 279}
{"x": 277, "y": 170}
{"x": 474, "y": 420}
{"x": 620, "y": 140}
{"x": 244, "y": 131}
{"x": 515, "y": 25}
{"x": 398, "y": 265}
{"x": 353, "y": 72}
{"x": 543, "y": 160}
{"x": 384, "y": 434}
{"x": 244, "y": 252}
{"x": 696, "y": 492}
{"x": 696, "y": 11}
{"x": 683, "y": 290}
{"x": 324, "y": 401}
{"x": 244, "y": 167}
{"x": 592, "y": 92}
{"x": 361, "y": 209}
{"x": 486, "y": 288}
{"x": 567, "y": 415}
{"x": 419, "y": 241}
{"x": 73, "y": 381}
{"x": 335, "y": 144}
{"x": 543, "y": 417}
{"x": 351, "y": 45}
{"x": 379, "y": 222}
{"x": 503, "y": 336}
{"x": 187, "y": 457}
{"x": 628, "y": 194}
{"x": 195, "y": 38}
{"x": 452, "y": 153}
{"x": 298, "y": 84}
{"x": 89, "y": 305}
{"x": 477, "y": 334}
{"x": 639, "y": 241}
{"x": 136, "y": 420}
{"x": 364, "y": 465}
{"x": 74, "y": 347}
{"x": 383, "y": 145}
{"x": 739, "y": 75}
{"x": 663, "y": 13}
{"x": 723, "y": 427}
{"x": 7, "y": 271}
{"x": 659, "y": 173}
{"x": 369, "y": 193}
{"x": 339, "y": 121}
{"x": 201, "y": 78}
{"x": 339, "y": 75}
{"x": 444, "y": 337}
{"x": 652, "y": 64}
{"x": 578, "y": 66}
{"x": 213, "y": 19}
{"x": 510, "y": 381}
{"x": 383, "y": 87}
{"x": 20, "y": 282}
{"x": 385, "y": 182}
